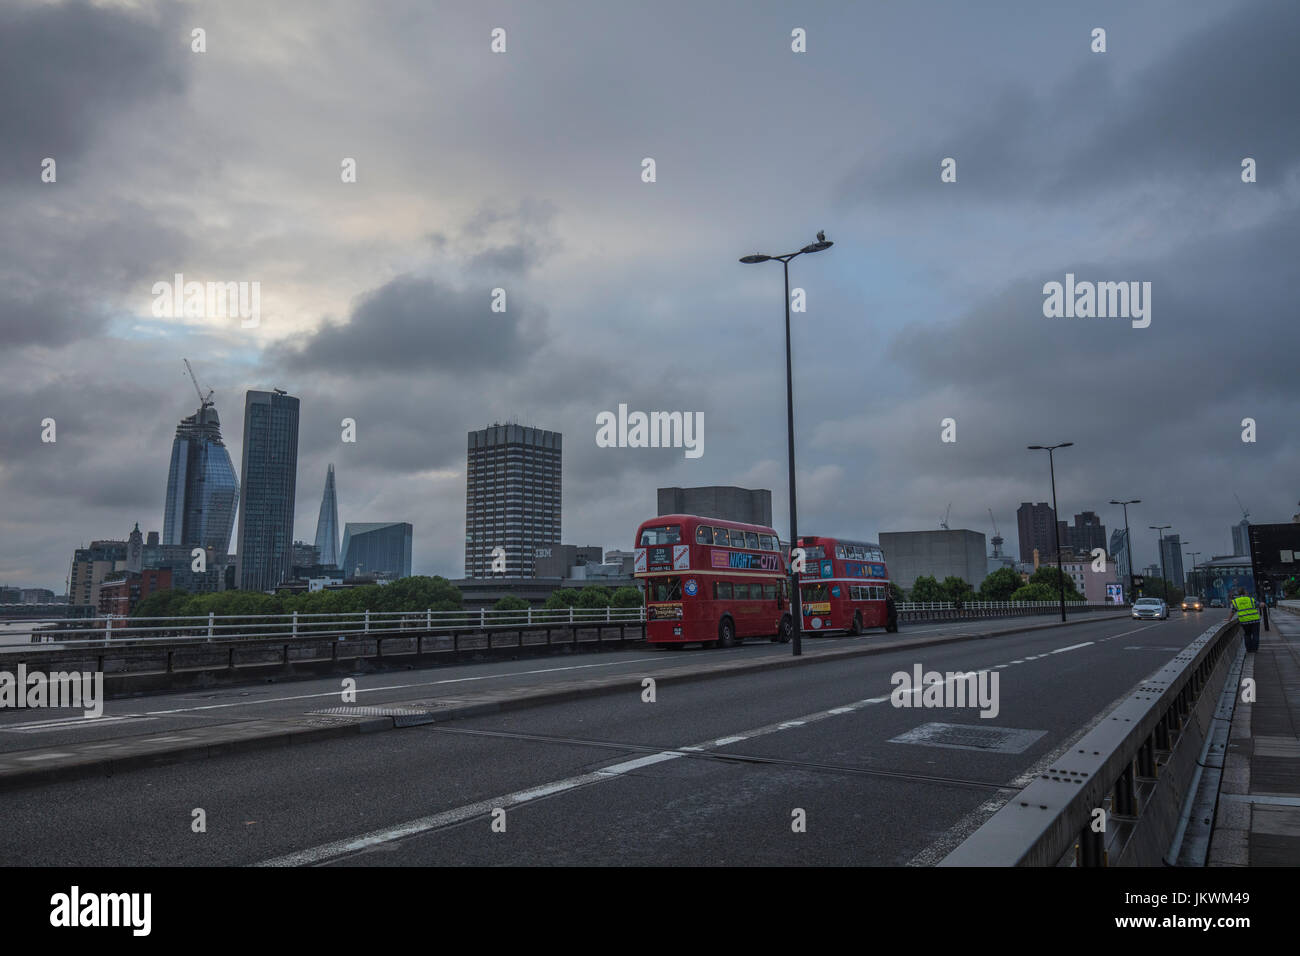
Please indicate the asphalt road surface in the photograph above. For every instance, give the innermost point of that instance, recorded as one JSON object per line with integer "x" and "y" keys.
{"x": 804, "y": 765}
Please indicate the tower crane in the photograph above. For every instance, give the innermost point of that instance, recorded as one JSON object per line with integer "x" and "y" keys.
{"x": 943, "y": 522}
{"x": 203, "y": 402}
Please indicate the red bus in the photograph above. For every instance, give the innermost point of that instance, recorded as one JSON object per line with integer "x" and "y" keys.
{"x": 711, "y": 581}
{"x": 845, "y": 586}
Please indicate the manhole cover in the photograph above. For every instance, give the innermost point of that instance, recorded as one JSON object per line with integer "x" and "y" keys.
{"x": 1001, "y": 740}
{"x": 370, "y": 711}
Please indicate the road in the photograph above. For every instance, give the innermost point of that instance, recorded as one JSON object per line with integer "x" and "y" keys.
{"x": 611, "y": 780}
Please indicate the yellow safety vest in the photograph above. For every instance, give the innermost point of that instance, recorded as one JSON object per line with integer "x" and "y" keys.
{"x": 1247, "y": 609}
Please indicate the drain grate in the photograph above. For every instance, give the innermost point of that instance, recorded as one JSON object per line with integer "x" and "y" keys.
{"x": 1001, "y": 740}
{"x": 361, "y": 710}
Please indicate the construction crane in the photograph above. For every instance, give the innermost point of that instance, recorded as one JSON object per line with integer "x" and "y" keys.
{"x": 997, "y": 538}
{"x": 943, "y": 522}
{"x": 203, "y": 402}
{"x": 1244, "y": 513}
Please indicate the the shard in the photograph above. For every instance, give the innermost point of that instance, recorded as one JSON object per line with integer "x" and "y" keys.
{"x": 327, "y": 525}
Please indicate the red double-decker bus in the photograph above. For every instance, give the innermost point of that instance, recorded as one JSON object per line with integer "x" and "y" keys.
{"x": 711, "y": 581}
{"x": 845, "y": 586}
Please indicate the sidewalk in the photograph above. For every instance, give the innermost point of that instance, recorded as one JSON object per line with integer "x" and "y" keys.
{"x": 1258, "y": 818}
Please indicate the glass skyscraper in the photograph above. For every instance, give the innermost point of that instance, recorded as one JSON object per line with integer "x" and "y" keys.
{"x": 377, "y": 547}
{"x": 327, "y": 525}
{"x": 270, "y": 476}
{"x": 202, "y": 490}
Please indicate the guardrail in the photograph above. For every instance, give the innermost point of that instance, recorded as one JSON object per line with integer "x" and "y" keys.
{"x": 1135, "y": 767}
{"x": 108, "y": 629}
{"x": 944, "y": 610}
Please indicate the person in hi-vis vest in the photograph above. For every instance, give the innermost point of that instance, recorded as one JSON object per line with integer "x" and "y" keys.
{"x": 1247, "y": 612}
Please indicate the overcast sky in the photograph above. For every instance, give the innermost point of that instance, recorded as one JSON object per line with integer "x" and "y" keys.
{"x": 522, "y": 170}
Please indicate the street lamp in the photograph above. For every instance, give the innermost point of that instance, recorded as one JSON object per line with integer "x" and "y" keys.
{"x": 1056, "y": 522}
{"x": 796, "y": 611}
{"x": 1160, "y": 535}
{"x": 1128, "y": 544}
{"x": 1192, "y": 555}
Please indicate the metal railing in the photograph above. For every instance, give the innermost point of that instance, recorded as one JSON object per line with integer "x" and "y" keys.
{"x": 213, "y": 627}
{"x": 1114, "y": 797}
{"x": 909, "y": 606}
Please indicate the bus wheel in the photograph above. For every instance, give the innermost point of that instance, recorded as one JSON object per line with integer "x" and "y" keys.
{"x": 787, "y": 630}
{"x": 856, "y": 629}
{"x": 726, "y": 633}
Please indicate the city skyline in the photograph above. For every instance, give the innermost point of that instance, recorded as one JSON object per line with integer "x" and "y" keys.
{"x": 377, "y": 296}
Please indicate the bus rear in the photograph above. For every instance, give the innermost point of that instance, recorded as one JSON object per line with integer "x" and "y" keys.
{"x": 845, "y": 586}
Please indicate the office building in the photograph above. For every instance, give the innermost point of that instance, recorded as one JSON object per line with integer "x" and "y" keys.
{"x": 1035, "y": 523}
{"x": 561, "y": 560}
{"x": 1119, "y": 551}
{"x": 327, "y": 526}
{"x": 1087, "y": 533}
{"x": 89, "y": 568}
{"x": 1172, "y": 554}
{"x": 305, "y": 555}
{"x": 750, "y": 506}
{"x": 202, "y": 490}
{"x": 269, "y": 472}
{"x": 939, "y": 554}
{"x": 512, "y": 498}
{"x": 121, "y": 591}
{"x": 377, "y": 548}
{"x": 1241, "y": 537}
{"x": 1091, "y": 584}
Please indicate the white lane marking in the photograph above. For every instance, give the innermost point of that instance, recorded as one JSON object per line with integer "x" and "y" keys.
{"x": 64, "y": 723}
{"x": 438, "y": 821}
{"x": 45, "y": 756}
{"x": 1073, "y": 647}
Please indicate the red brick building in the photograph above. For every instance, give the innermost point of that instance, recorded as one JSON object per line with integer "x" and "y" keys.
{"x": 120, "y": 593}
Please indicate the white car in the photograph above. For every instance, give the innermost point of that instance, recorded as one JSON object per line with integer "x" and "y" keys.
{"x": 1149, "y": 608}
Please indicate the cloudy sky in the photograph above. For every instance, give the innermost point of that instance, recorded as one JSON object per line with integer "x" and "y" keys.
{"x": 522, "y": 170}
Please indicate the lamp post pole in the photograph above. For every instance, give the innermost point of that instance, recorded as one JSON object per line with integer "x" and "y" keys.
{"x": 1056, "y": 523}
{"x": 1160, "y": 536}
{"x": 796, "y": 611}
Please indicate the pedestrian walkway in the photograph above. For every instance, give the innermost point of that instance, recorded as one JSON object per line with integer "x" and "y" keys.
{"x": 1258, "y": 818}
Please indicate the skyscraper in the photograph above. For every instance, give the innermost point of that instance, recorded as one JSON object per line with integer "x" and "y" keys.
{"x": 202, "y": 490}
{"x": 1035, "y": 524}
{"x": 1119, "y": 551}
{"x": 327, "y": 525}
{"x": 1241, "y": 537}
{"x": 512, "y": 497}
{"x": 1172, "y": 552}
{"x": 270, "y": 475}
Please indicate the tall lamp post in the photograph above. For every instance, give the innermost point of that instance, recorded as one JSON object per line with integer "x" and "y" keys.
{"x": 796, "y": 612}
{"x": 1160, "y": 535}
{"x": 1056, "y": 523}
{"x": 1128, "y": 544}
{"x": 1192, "y": 555}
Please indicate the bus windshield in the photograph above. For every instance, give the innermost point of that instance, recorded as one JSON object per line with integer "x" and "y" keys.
{"x": 663, "y": 534}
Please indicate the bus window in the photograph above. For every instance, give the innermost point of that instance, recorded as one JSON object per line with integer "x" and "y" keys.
{"x": 766, "y": 542}
{"x": 742, "y": 592}
{"x": 839, "y": 551}
{"x": 722, "y": 590}
{"x": 769, "y": 592}
{"x": 662, "y": 534}
{"x": 751, "y": 540}
{"x": 720, "y": 538}
{"x": 703, "y": 534}
{"x": 666, "y": 589}
{"x": 816, "y": 592}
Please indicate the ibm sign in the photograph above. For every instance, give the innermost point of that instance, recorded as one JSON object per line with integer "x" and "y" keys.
{"x": 542, "y": 553}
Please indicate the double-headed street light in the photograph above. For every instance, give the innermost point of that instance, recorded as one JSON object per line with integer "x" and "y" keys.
{"x": 1128, "y": 545}
{"x": 796, "y": 611}
{"x": 1160, "y": 530}
{"x": 1056, "y": 523}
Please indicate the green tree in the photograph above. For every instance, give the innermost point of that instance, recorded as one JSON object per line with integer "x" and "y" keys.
{"x": 511, "y": 603}
{"x": 1036, "y": 592}
{"x": 593, "y": 597}
{"x": 627, "y": 597}
{"x": 1000, "y": 585}
{"x": 1047, "y": 575}
{"x": 926, "y": 589}
{"x": 957, "y": 590}
{"x": 562, "y": 599}
{"x": 165, "y": 603}
{"x": 896, "y": 593}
